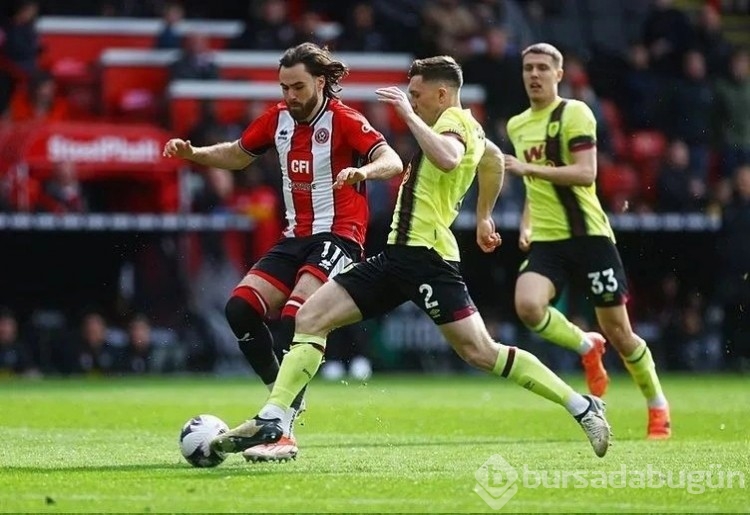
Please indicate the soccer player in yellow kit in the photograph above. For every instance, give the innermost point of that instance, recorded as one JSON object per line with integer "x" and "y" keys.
{"x": 568, "y": 235}
{"x": 421, "y": 262}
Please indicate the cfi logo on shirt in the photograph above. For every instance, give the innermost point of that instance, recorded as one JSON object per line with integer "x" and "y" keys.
{"x": 322, "y": 135}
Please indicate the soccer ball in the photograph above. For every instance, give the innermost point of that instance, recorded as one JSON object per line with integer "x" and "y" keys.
{"x": 195, "y": 440}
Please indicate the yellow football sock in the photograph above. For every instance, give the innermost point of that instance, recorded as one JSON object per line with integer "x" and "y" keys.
{"x": 297, "y": 369}
{"x": 560, "y": 331}
{"x": 641, "y": 366}
{"x": 524, "y": 369}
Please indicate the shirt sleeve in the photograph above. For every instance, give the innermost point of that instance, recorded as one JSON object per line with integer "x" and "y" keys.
{"x": 358, "y": 133}
{"x": 259, "y": 135}
{"x": 451, "y": 122}
{"x": 580, "y": 127}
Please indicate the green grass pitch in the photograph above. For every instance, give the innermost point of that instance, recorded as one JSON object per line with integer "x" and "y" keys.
{"x": 405, "y": 444}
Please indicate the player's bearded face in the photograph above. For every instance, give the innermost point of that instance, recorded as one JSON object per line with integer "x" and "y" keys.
{"x": 302, "y": 91}
{"x": 302, "y": 109}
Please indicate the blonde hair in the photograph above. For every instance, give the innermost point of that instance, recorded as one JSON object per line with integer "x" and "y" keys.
{"x": 545, "y": 49}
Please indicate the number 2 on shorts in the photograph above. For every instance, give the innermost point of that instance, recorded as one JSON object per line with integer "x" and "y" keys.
{"x": 426, "y": 290}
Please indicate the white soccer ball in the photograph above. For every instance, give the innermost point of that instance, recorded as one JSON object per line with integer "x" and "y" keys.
{"x": 195, "y": 440}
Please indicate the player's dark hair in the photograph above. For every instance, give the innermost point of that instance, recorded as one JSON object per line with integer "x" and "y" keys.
{"x": 318, "y": 63}
{"x": 438, "y": 68}
{"x": 545, "y": 49}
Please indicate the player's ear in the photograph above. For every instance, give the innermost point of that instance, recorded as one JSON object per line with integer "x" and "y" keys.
{"x": 560, "y": 74}
{"x": 442, "y": 94}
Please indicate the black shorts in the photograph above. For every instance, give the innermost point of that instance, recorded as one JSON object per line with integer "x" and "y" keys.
{"x": 590, "y": 262}
{"x": 401, "y": 273}
{"x": 323, "y": 255}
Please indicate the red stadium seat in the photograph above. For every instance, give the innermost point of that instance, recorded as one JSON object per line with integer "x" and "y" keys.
{"x": 618, "y": 184}
{"x": 613, "y": 118}
{"x": 85, "y": 38}
{"x": 646, "y": 152}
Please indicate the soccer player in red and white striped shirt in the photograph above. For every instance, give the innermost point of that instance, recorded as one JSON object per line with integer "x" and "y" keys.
{"x": 326, "y": 151}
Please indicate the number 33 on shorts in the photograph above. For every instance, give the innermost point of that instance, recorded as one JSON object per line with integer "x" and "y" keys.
{"x": 602, "y": 281}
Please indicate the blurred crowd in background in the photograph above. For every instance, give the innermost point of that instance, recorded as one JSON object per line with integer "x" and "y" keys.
{"x": 668, "y": 81}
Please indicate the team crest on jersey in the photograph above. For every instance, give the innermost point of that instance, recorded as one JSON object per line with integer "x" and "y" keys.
{"x": 322, "y": 135}
{"x": 552, "y": 129}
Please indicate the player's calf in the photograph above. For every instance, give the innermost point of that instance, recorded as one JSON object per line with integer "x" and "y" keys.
{"x": 245, "y": 312}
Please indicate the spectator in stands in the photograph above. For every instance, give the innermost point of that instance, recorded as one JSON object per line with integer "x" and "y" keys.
{"x": 734, "y": 249}
{"x": 680, "y": 188}
{"x": 310, "y": 28}
{"x": 253, "y": 109}
{"x": 667, "y": 33}
{"x": 687, "y": 341}
{"x": 39, "y": 101}
{"x": 172, "y": 14}
{"x": 508, "y": 15}
{"x": 710, "y": 41}
{"x": 196, "y": 61}
{"x": 63, "y": 193}
{"x": 361, "y": 33}
{"x": 138, "y": 354}
{"x": 401, "y": 22}
{"x": 19, "y": 41}
{"x": 15, "y": 357}
{"x": 689, "y": 111}
{"x": 498, "y": 71}
{"x": 6, "y": 189}
{"x": 207, "y": 130}
{"x": 448, "y": 25}
{"x": 733, "y": 113}
{"x": 96, "y": 354}
{"x": 643, "y": 90}
{"x": 215, "y": 198}
{"x": 575, "y": 84}
{"x": 267, "y": 29}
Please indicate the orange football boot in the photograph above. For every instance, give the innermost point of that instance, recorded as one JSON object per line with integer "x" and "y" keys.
{"x": 659, "y": 425}
{"x": 596, "y": 377}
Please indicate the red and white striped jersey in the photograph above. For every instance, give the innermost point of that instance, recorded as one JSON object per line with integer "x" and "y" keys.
{"x": 310, "y": 156}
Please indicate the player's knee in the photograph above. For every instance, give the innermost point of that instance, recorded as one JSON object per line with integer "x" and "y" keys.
{"x": 309, "y": 320}
{"x": 530, "y": 310}
{"x": 244, "y": 319}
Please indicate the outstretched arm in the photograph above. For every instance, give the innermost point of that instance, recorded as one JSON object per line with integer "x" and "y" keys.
{"x": 384, "y": 164}
{"x": 490, "y": 174}
{"x": 443, "y": 150}
{"x": 228, "y": 156}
